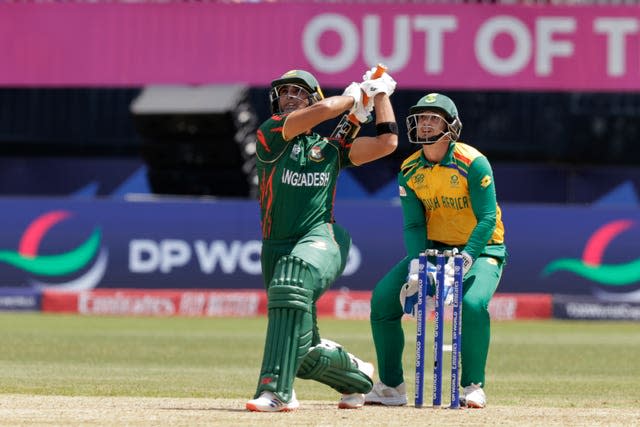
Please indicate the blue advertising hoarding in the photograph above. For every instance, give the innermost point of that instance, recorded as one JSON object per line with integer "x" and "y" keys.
{"x": 573, "y": 250}
{"x": 73, "y": 244}
{"x": 20, "y": 299}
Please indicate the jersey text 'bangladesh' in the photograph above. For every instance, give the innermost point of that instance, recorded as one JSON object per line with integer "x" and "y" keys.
{"x": 297, "y": 179}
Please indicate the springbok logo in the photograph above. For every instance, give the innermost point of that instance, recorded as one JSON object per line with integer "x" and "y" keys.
{"x": 590, "y": 266}
{"x": 28, "y": 259}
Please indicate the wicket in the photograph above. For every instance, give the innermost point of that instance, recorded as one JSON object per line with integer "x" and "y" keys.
{"x": 456, "y": 329}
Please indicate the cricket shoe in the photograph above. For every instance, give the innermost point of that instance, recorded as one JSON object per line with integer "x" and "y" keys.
{"x": 389, "y": 396}
{"x": 473, "y": 397}
{"x": 356, "y": 400}
{"x": 268, "y": 402}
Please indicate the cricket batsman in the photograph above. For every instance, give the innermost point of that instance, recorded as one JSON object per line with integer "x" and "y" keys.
{"x": 303, "y": 249}
{"x": 448, "y": 198}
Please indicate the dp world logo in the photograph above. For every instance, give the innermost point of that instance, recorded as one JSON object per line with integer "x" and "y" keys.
{"x": 86, "y": 263}
{"x": 616, "y": 277}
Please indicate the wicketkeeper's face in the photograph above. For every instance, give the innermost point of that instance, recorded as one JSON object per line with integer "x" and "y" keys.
{"x": 430, "y": 124}
{"x": 292, "y": 97}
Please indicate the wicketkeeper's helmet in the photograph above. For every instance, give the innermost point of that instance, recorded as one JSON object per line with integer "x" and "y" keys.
{"x": 301, "y": 78}
{"x": 439, "y": 103}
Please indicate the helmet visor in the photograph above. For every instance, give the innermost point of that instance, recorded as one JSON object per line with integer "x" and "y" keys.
{"x": 289, "y": 97}
{"x": 426, "y": 127}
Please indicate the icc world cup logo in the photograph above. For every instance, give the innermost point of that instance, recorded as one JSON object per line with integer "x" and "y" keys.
{"x": 618, "y": 277}
{"x": 86, "y": 263}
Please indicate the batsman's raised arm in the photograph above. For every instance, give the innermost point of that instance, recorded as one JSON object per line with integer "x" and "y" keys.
{"x": 300, "y": 121}
{"x": 304, "y": 113}
{"x": 366, "y": 148}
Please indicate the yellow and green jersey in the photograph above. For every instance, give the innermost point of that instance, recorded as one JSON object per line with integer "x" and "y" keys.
{"x": 451, "y": 203}
{"x": 297, "y": 179}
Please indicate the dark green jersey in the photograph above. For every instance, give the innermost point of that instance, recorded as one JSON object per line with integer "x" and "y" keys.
{"x": 297, "y": 179}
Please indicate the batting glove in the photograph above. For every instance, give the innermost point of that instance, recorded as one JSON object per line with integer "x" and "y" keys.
{"x": 369, "y": 74}
{"x": 384, "y": 84}
{"x": 360, "y": 111}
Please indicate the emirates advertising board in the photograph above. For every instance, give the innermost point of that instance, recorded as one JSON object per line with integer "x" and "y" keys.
{"x": 73, "y": 245}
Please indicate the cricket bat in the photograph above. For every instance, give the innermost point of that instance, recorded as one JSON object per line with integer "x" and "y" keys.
{"x": 349, "y": 126}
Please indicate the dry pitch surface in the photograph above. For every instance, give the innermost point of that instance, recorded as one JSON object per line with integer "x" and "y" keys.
{"x": 23, "y": 410}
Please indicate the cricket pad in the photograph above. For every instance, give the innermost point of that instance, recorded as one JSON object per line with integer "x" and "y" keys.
{"x": 332, "y": 365}
{"x": 289, "y": 330}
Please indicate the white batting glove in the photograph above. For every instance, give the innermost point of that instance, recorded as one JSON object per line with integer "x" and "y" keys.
{"x": 384, "y": 84}
{"x": 354, "y": 91}
{"x": 360, "y": 111}
{"x": 363, "y": 112}
{"x": 389, "y": 81}
{"x": 370, "y": 73}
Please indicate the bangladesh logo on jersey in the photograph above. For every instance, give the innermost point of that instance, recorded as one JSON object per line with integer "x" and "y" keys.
{"x": 316, "y": 154}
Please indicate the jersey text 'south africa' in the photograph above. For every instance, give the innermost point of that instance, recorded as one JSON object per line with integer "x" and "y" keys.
{"x": 452, "y": 202}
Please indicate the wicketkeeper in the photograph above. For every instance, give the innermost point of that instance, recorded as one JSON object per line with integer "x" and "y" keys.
{"x": 303, "y": 249}
{"x": 448, "y": 201}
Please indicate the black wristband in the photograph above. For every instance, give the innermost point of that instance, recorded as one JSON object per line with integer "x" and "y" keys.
{"x": 386, "y": 127}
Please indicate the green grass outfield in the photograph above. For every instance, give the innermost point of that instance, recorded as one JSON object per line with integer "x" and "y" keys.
{"x": 552, "y": 364}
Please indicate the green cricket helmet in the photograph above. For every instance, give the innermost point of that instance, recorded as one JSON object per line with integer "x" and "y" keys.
{"x": 297, "y": 78}
{"x": 436, "y": 103}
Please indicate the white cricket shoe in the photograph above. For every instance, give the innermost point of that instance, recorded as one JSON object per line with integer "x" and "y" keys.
{"x": 388, "y": 396}
{"x": 473, "y": 396}
{"x": 268, "y": 402}
{"x": 351, "y": 401}
{"x": 356, "y": 400}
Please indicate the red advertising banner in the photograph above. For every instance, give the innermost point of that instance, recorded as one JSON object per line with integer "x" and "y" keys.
{"x": 336, "y": 304}
{"x": 454, "y": 46}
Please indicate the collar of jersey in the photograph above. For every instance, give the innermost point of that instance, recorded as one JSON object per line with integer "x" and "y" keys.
{"x": 446, "y": 160}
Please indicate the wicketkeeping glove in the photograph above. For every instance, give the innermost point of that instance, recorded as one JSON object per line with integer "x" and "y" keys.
{"x": 467, "y": 262}
{"x": 447, "y": 288}
{"x": 409, "y": 291}
{"x": 448, "y": 284}
{"x": 360, "y": 111}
